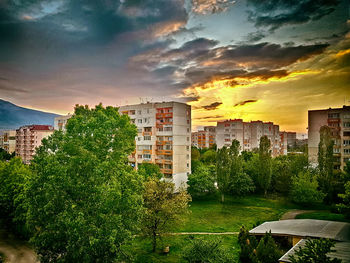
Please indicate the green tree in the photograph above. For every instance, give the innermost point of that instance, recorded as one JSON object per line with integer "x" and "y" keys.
{"x": 264, "y": 174}
{"x": 209, "y": 157}
{"x": 85, "y": 201}
{"x": 149, "y": 170}
{"x": 240, "y": 182}
{"x": 223, "y": 172}
{"x": 163, "y": 208}
{"x": 304, "y": 189}
{"x": 315, "y": 250}
{"x": 195, "y": 154}
{"x": 267, "y": 250}
{"x": 205, "y": 251}
{"x": 281, "y": 175}
{"x": 13, "y": 178}
{"x": 345, "y": 205}
{"x": 4, "y": 155}
{"x": 202, "y": 181}
{"x": 248, "y": 246}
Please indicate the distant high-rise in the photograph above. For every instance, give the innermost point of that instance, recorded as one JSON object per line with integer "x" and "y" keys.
{"x": 164, "y": 137}
{"x": 248, "y": 134}
{"x": 338, "y": 120}
{"x": 60, "y": 122}
{"x": 205, "y": 138}
{"x": 28, "y": 138}
{"x": 9, "y": 140}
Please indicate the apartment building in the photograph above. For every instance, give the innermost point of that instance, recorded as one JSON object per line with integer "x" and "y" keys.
{"x": 28, "y": 138}
{"x": 9, "y": 140}
{"x": 248, "y": 134}
{"x": 60, "y": 122}
{"x": 283, "y": 143}
{"x": 164, "y": 137}
{"x": 205, "y": 138}
{"x": 338, "y": 119}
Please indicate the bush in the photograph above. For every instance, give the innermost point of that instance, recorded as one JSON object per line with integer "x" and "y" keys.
{"x": 202, "y": 181}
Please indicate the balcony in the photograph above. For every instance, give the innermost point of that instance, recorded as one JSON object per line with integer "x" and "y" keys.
{"x": 147, "y": 151}
{"x": 164, "y": 152}
{"x": 164, "y": 143}
{"x": 166, "y": 171}
{"x": 164, "y": 115}
{"x": 147, "y": 133}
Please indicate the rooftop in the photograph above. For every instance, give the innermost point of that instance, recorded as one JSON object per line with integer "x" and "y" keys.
{"x": 304, "y": 228}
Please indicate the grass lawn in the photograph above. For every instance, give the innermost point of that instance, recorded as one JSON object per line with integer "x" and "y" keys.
{"x": 323, "y": 215}
{"x": 212, "y": 216}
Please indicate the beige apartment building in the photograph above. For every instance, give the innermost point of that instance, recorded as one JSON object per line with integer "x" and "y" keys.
{"x": 205, "y": 138}
{"x": 8, "y": 140}
{"x": 28, "y": 138}
{"x": 248, "y": 134}
{"x": 164, "y": 137}
{"x": 60, "y": 122}
{"x": 338, "y": 119}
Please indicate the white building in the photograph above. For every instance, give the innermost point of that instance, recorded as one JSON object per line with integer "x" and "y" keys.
{"x": 60, "y": 122}
{"x": 164, "y": 137}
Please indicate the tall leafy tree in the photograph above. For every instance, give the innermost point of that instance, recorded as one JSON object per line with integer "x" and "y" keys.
{"x": 248, "y": 246}
{"x": 202, "y": 181}
{"x": 264, "y": 174}
{"x": 223, "y": 172}
{"x": 163, "y": 208}
{"x": 345, "y": 205}
{"x": 85, "y": 201}
{"x": 149, "y": 170}
{"x": 315, "y": 250}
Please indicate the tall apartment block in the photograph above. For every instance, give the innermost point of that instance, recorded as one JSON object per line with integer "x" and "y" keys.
{"x": 248, "y": 134}
{"x": 205, "y": 138}
{"x": 60, "y": 122}
{"x": 164, "y": 137}
{"x": 28, "y": 138}
{"x": 9, "y": 140}
{"x": 338, "y": 120}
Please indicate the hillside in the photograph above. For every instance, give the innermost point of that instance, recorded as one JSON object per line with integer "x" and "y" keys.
{"x": 13, "y": 116}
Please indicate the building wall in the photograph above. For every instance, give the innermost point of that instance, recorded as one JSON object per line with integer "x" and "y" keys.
{"x": 28, "y": 138}
{"x": 60, "y": 122}
{"x": 164, "y": 137}
{"x": 9, "y": 141}
{"x": 338, "y": 120}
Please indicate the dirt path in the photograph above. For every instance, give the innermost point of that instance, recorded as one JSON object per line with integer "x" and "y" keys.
{"x": 16, "y": 251}
{"x": 293, "y": 213}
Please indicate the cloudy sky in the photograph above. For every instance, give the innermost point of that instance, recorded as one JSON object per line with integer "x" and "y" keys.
{"x": 270, "y": 60}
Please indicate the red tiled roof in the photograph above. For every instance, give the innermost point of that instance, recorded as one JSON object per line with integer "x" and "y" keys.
{"x": 41, "y": 127}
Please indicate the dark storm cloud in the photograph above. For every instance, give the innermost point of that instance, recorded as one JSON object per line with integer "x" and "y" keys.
{"x": 244, "y": 102}
{"x": 212, "y": 106}
{"x": 277, "y": 13}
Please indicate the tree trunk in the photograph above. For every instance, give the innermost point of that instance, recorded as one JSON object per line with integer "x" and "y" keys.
{"x": 154, "y": 242}
{"x": 222, "y": 198}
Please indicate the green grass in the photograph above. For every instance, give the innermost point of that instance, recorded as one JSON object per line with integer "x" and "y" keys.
{"x": 323, "y": 215}
{"x": 211, "y": 215}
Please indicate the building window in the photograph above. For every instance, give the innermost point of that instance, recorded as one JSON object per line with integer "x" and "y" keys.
{"x": 346, "y": 124}
{"x": 188, "y": 156}
{"x": 147, "y": 110}
{"x": 139, "y": 130}
{"x": 188, "y": 129}
{"x": 346, "y": 134}
{"x": 336, "y": 150}
{"x": 147, "y": 129}
{"x": 132, "y": 112}
{"x": 187, "y": 148}
{"x": 147, "y": 138}
{"x": 347, "y": 151}
{"x": 139, "y": 156}
{"x": 147, "y": 156}
{"x": 188, "y": 165}
{"x": 333, "y": 115}
{"x": 139, "y": 112}
{"x": 139, "y": 121}
{"x": 188, "y": 121}
{"x": 188, "y": 139}
{"x": 346, "y": 142}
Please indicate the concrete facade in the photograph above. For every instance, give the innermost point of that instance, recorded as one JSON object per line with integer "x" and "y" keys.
{"x": 164, "y": 137}
{"x": 9, "y": 140}
{"x": 60, "y": 122}
{"x": 205, "y": 138}
{"x": 338, "y": 119}
{"x": 248, "y": 134}
{"x": 28, "y": 138}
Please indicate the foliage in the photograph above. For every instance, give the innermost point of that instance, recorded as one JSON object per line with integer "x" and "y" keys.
{"x": 267, "y": 250}
{"x": 345, "y": 205}
{"x": 85, "y": 201}
{"x": 315, "y": 250}
{"x": 204, "y": 251}
{"x": 147, "y": 170}
{"x": 163, "y": 208}
{"x": 202, "y": 181}
{"x": 209, "y": 157}
{"x": 264, "y": 174}
{"x": 13, "y": 177}
{"x": 248, "y": 245}
{"x": 4, "y": 155}
{"x": 281, "y": 175}
{"x": 247, "y": 156}
{"x": 223, "y": 172}
{"x": 304, "y": 189}
{"x": 195, "y": 154}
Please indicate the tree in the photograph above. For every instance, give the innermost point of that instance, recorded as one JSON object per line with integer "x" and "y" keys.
{"x": 163, "y": 208}
{"x": 248, "y": 246}
{"x": 84, "y": 200}
{"x": 267, "y": 250}
{"x": 202, "y": 181}
{"x": 209, "y": 157}
{"x": 315, "y": 250}
{"x": 4, "y": 155}
{"x": 13, "y": 178}
{"x": 304, "y": 189}
{"x": 264, "y": 174}
{"x": 149, "y": 170}
{"x": 203, "y": 251}
{"x": 281, "y": 175}
{"x": 195, "y": 154}
{"x": 345, "y": 205}
{"x": 240, "y": 182}
{"x": 223, "y": 172}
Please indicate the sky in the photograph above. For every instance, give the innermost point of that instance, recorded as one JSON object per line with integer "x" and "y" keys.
{"x": 268, "y": 60}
